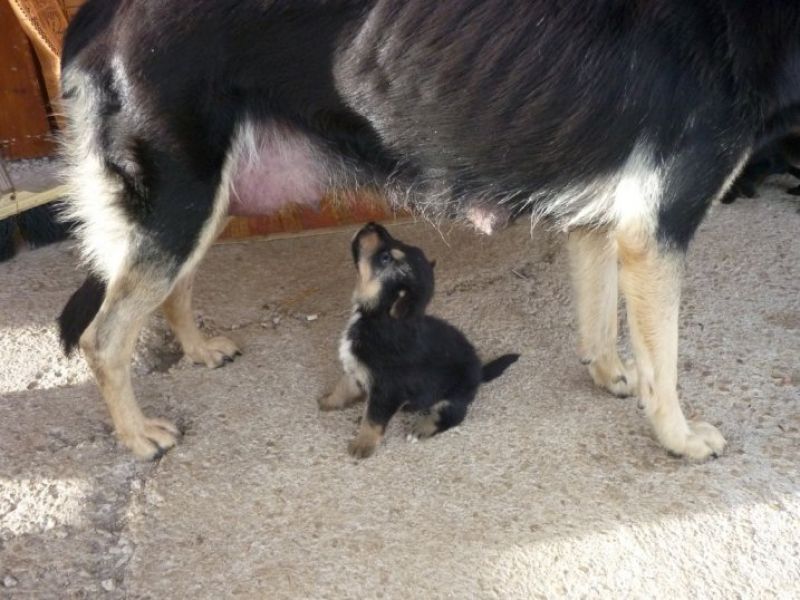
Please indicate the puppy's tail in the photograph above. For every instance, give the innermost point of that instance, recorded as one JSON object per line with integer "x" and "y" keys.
{"x": 494, "y": 368}
{"x": 80, "y": 311}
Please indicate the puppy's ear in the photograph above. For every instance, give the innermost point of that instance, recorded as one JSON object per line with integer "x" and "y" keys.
{"x": 433, "y": 263}
{"x": 401, "y": 307}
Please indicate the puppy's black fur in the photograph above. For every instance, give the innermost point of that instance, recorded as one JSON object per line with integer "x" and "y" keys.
{"x": 398, "y": 355}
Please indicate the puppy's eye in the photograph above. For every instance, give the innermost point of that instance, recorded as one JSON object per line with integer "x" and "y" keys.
{"x": 384, "y": 258}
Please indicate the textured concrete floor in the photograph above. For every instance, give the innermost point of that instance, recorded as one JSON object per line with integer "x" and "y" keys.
{"x": 549, "y": 488}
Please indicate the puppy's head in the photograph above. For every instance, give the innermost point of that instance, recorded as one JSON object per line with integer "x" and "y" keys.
{"x": 393, "y": 278}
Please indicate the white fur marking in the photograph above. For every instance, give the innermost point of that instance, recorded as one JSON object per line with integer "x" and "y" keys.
{"x": 103, "y": 231}
{"x": 351, "y": 365}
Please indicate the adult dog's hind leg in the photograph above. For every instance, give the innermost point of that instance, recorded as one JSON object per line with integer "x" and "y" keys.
{"x": 108, "y": 344}
{"x": 593, "y": 262}
{"x": 650, "y": 280}
{"x": 213, "y": 351}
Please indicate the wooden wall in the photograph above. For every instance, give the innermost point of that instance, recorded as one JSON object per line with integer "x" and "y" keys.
{"x": 25, "y": 129}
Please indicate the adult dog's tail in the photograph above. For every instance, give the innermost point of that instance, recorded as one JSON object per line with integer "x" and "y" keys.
{"x": 494, "y": 368}
{"x": 80, "y": 310}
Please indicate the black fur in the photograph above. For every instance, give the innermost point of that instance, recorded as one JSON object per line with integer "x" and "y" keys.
{"x": 79, "y": 312}
{"x": 777, "y": 158}
{"x": 414, "y": 360}
{"x": 445, "y": 104}
{"x": 624, "y": 117}
{"x": 38, "y": 226}
{"x": 8, "y": 246}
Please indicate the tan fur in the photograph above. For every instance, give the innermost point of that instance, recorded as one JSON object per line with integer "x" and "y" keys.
{"x": 132, "y": 295}
{"x": 212, "y": 352}
{"x": 650, "y": 281}
{"x": 593, "y": 261}
{"x": 346, "y": 393}
{"x": 367, "y": 439}
{"x": 398, "y": 254}
{"x": 428, "y": 424}
{"x": 108, "y": 345}
{"x": 368, "y": 243}
{"x": 367, "y": 287}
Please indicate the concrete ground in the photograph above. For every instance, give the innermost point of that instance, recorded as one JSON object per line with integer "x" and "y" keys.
{"x": 550, "y": 488}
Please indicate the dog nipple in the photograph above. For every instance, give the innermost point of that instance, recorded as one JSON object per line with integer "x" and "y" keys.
{"x": 482, "y": 219}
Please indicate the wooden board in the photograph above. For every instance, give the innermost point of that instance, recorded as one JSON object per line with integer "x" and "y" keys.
{"x": 293, "y": 219}
{"x": 72, "y": 6}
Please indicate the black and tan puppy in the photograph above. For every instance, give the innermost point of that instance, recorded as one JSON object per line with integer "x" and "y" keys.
{"x": 395, "y": 355}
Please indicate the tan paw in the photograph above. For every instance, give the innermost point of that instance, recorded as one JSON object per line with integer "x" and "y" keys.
{"x": 152, "y": 440}
{"x": 621, "y": 379}
{"x": 213, "y": 352}
{"x": 334, "y": 401}
{"x": 367, "y": 439}
{"x": 361, "y": 447}
{"x": 704, "y": 441}
{"x": 427, "y": 425}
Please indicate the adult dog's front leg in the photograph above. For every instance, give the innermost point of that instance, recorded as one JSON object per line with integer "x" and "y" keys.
{"x": 593, "y": 264}
{"x": 650, "y": 281}
{"x": 213, "y": 351}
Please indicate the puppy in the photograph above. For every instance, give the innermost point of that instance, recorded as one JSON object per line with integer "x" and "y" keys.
{"x": 395, "y": 355}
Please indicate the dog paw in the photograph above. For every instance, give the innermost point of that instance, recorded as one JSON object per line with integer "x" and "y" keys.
{"x": 329, "y": 402}
{"x": 360, "y": 447}
{"x": 213, "y": 352}
{"x": 427, "y": 425}
{"x": 334, "y": 401}
{"x": 621, "y": 379}
{"x": 152, "y": 440}
{"x": 702, "y": 442}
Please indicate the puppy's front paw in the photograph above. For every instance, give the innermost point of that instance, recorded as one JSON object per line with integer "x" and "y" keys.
{"x": 152, "y": 439}
{"x": 336, "y": 401}
{"x": 427, "y": 425}
{"x": 361, "y": 447}
{"x": 213, "y": 352}
{"x": 346, "y": 393}
{"x": 368, "y": 437}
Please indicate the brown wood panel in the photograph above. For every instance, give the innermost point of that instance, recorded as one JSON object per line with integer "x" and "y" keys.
{"x": 24, "y": 125}
{"x": 72, "y": 6}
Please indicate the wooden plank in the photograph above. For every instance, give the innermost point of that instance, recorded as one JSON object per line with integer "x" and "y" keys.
{"x": 13, "y": 204}
{"x": 24, "y": 126}
{"x": 72, "y": 6}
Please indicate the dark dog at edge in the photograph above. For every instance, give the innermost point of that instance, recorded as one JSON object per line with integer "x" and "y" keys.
{"x": 619, "y": 121}
{"x": 394, "y": 355}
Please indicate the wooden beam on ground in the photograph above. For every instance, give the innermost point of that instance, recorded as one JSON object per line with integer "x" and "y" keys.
{"x": 15, "y": 203}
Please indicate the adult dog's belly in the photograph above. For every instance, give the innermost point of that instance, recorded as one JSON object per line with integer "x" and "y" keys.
{"x": 271, "y": 166}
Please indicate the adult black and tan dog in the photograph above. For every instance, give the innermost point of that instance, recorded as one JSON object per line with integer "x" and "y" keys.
{"x": 617, "y": 120}
{"x": 394, "y": 355}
